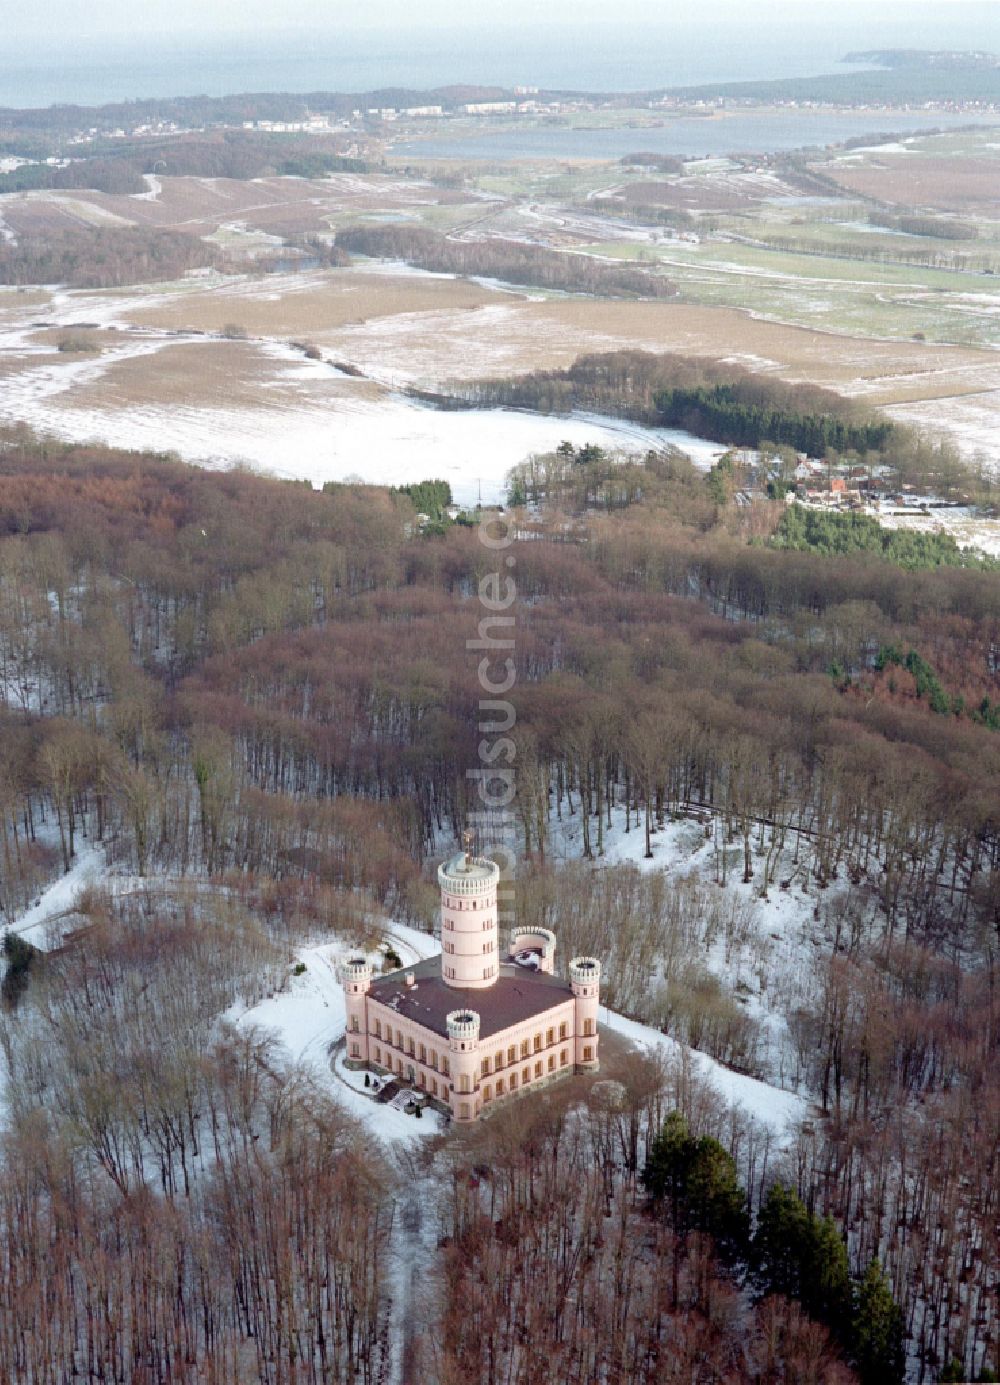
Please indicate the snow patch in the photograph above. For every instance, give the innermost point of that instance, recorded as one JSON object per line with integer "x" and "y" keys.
{"x": 48, "y": 920}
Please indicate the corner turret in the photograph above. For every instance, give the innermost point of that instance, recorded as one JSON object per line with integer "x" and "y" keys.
{"x": 463, "y": 1043}
{"x": 357, "y": 977}
{"x": 585, "y": 983}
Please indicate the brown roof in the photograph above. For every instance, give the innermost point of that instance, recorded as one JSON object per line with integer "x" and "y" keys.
{"x": 517, "y": 994}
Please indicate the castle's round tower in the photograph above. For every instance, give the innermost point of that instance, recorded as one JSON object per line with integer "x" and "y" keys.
{"x": 585, "y": 983}
{"x": 357, "y": 974}
{"x": 470, "y": 957}
{"x": 463, "y": 1050}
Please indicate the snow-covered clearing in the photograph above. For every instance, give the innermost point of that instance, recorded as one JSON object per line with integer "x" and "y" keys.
{"x": 966, "y": 527}
{"x": 783, "y": 1112}
{"x": 310, "y": 1016}
{"x": 765, "y": 969}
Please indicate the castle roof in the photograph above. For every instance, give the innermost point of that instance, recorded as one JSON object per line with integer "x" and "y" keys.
{"x": 465, "y": 867}
{"x": 518, "y": 994}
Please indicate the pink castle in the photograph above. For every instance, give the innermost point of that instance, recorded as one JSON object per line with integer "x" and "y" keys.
{"x": 470, "y": 1030}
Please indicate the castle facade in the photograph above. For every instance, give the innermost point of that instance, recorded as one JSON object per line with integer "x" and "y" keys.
{"x": 469, "y": 1029}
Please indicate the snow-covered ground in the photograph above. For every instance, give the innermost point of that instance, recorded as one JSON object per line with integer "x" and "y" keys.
{"x": 45, "y": 922}
{"x": 783, "y": 1112}
{"x": 153, "y": 189}
{"x": 765, "y": 966}
{"x": 970, "y": 421}
{"x": 966, "y": 527}
{"x": 310, "y": 1016}
{"x": 313, "y": 422}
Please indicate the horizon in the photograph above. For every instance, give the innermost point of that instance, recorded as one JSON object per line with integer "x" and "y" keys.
{"x": 283, "y": 49}
{"x": 228, "y": 18}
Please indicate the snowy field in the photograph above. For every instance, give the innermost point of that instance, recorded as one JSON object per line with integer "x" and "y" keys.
{"x": 968, "y": 529}
{"x": 971, "y": 422}
{"x": 273, "y": 410}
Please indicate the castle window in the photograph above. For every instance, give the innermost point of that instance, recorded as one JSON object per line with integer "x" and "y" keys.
{"x": 434, "y": 1087}
{"x": 388, "y": 1034}
{"x": 485, "y": 1070}
{"x": 588, "y": 1028}
{"x": 465, "y": 1110}
{"x": 434, "y": 1059}
{"x": 378, "y": 1030}
{"x": 410, "y": 1049}
{"x": 499, "y": 1086}
{"x": 524, "y": 1048}
{"x": 526, "y": 1076}
{"x": 511, "y": 1055}
{"x": 563, "y": 1058}
{"x": 538, "y": 1069}
{"x": 550, "y": 1037}
{"x": 513, "y": 1081}
{"x": 538, "y": 1043}
{"x": 423, "y": 1054}
{"x": 355, "y": 1024}
{"x": 487, "y": 1093}
{"x": 563, "y": 1030}
{"x": 588, "y": 1054}
{"x": 444, "y": 1066}
{"x": 463, "y": 1083}
{"x": 552, "y": 1063}
{"x": 486, "y": 972}
{"x": 354, "y": 1050}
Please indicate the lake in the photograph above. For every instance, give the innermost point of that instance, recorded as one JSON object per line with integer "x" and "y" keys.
{"x": 750, "y": 131}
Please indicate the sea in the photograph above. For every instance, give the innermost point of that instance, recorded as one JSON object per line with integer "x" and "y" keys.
{"x": 668, "y": 48}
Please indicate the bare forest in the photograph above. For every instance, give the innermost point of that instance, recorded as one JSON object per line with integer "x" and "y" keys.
{"x": 257, "y": 700}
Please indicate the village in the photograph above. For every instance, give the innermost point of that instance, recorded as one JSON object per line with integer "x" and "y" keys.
{"x": 832, "y": 484}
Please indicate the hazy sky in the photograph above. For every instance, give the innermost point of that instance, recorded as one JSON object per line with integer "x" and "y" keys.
{"x": 123, "y": 17}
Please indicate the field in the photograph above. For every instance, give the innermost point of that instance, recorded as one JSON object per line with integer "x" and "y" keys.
{"x": 281, "y": 206}
{"x": 166, "y": 375}
{"x": 779, "y": 268}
